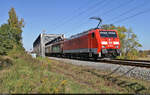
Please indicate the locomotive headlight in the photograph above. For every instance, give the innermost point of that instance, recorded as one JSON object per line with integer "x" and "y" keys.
{"x": 104, "y": 43}
{"x": 117, "y": 46}
{"x": 116, "y": 43}
{"x": 103, "y": 46}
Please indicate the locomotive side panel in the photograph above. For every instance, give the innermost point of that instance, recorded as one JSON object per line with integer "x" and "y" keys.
{"x": 93, "y": 43}
{"x": 76, "y": 45}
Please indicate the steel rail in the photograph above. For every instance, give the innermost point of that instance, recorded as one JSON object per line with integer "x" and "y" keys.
{"x": 134, "y": 60}
{"x": 136, "y": 63}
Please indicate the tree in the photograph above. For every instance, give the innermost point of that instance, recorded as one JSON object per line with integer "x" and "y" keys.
{"x": 6, "y": 42}
{"x": 132, "y": 45}
{"x": 15, "y": 26}
{"x": 10, "y": 33}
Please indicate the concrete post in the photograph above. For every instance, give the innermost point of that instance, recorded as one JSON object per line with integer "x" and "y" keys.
{"x": 42, "y": 45}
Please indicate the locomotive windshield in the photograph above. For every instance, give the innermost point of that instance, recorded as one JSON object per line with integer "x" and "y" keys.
{"x": 108, "y": 34}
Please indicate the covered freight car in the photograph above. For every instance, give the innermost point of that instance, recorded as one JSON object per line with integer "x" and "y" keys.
{"x": 54, "y": 48}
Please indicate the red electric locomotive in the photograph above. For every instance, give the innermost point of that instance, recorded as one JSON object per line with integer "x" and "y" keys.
{"x": 93, "y": 43}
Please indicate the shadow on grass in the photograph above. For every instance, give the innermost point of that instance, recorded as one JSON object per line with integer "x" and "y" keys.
{"x": 5, "y": 62}
{"x": 130, "y": 86}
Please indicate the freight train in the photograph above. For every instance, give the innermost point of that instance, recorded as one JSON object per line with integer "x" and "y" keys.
{"x": 94, "y": 43}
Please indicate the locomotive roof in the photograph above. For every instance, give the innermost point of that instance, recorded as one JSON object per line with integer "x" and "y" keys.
{"x": 85, "y": 32}
{"x": 80, "y": 34}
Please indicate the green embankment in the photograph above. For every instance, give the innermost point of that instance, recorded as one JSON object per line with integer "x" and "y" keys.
{"x": 28, "y": 75}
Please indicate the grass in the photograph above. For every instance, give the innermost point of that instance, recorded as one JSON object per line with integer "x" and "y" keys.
{"x": 145, "y": 58}
{"x": 101, "y": 81}
{"x": 29, "y": 75}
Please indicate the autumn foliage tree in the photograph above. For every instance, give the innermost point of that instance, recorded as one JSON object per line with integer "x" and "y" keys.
{"x": 15, "y": 26}
{"x": 11, "y": 33}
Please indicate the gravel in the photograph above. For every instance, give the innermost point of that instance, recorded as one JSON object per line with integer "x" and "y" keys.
{"x": 129, "y": 71}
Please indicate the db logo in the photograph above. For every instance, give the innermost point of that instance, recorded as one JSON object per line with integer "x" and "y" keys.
{"x": 110, "y": 42}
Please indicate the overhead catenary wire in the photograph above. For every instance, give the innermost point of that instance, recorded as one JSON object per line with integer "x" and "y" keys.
{"x": 64, "y": 18}
{"x": 81, "y": 13}
{"x": 117, "y": 7}
{"x": 108, "y": 11}
{"x": 105, "y": 3}
{"x": 126, "y": 18}
{"x": 128, "y": 11}
{"x": 129, "y": 17}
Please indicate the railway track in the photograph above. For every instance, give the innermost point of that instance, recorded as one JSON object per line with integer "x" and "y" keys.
{"x": 135, "y": 60}
{"x": 137, "y": 63}
{"x": 127, "y": 68}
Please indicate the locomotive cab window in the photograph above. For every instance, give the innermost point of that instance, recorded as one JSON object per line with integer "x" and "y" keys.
{"x": 111, "y": 34}
{"x": 93, "y": 35}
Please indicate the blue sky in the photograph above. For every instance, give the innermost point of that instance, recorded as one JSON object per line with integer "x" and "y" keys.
{"x": 72, "y": 16}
